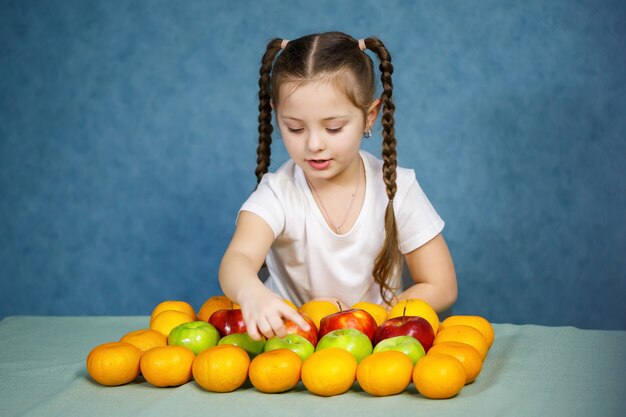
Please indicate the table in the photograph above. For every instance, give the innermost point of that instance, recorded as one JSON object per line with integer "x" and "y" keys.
{"x": 530, "y": 371}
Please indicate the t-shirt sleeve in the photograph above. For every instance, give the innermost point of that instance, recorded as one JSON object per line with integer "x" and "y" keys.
{"x": 265, "y": 203}
{"x": 416, "y": 218}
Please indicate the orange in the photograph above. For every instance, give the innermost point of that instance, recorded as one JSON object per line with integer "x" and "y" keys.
{"x": 290, "y": 304}
{"x": 167, "y": 366}
{"x": 479, "y": 323}
{"x": 318, "y": 309}
{"x": 464, "y": 334}
{"x": 329, "y": 372}
{"x": 166, "y": 320}
{"x": 275, "y": 371}
{"x": 183, "y": 306}
{"x": 385, "y": 373}
{"x": 144, "y": 339}
{"x": 221, "y": 368}
{"x": 113, "y": 363}
{"x": 377, "y": 311}
{"x": 416, "y": 307}
{"x": 466, "y": 354}
{"x": 438, "y": 376}
{"x": 211, "y": 305}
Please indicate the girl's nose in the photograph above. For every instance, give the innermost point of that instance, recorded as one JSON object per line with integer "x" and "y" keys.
{"x": 315, "y": 142}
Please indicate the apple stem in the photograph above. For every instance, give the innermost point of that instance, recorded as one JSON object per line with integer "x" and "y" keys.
{"x": 340, "y": 308}
{"x": 404, "y": 311}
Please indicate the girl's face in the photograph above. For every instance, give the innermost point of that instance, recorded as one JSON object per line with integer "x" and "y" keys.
{"x": 322, "y": 129}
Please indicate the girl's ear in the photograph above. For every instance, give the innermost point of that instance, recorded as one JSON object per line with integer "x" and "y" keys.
{"x": 372, "y": 113}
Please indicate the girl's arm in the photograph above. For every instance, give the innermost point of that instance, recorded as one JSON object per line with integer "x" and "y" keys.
{"x": 263, "y": 310}
{"x": 432, "y": 271}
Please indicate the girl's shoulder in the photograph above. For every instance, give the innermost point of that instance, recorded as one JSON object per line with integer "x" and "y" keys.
{"x": 285, "y": 173}
{"x": 404, "y": 176}
{"x": 283, "y": 181}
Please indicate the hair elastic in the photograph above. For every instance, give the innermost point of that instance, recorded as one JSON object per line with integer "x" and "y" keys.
{"x": 284, "y": 43}
{"x": 362, "y": 44}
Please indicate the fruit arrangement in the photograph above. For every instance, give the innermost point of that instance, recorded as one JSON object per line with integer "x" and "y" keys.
{"x": 383, "y": 351}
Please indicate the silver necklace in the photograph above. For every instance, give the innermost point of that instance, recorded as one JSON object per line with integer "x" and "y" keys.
{"x": 325, "y": 212}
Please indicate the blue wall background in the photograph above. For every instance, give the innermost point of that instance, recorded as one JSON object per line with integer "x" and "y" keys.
{"x": 128, "y": 137}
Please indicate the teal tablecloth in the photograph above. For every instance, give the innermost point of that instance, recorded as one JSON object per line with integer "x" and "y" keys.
{"x": 530, "y": 371}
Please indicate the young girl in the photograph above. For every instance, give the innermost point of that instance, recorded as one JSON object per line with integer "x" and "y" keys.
{"x": 333, "y": 222}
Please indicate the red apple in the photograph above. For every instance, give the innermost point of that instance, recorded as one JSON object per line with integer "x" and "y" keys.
{"x": 415, "y": 326}
{"x": 228, "y": 321}
{"x": 349, "y": 319}
{"x": 293, "y": 328}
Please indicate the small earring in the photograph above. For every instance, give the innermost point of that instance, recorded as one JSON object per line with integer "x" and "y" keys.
{"x": 367, "y": 133}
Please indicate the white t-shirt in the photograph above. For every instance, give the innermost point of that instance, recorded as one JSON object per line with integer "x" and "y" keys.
{"x": 309, "y": 260}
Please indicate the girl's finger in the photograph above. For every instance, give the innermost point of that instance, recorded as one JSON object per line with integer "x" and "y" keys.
{"x": 292, "y": 315}
{"x": 266, "y": 328}
{"x": 252, "y": 330}
{"x": 278, "y": 326}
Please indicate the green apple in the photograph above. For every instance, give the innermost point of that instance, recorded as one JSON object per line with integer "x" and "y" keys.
{"x": 195, "y": 336}
{"x": 244, "y": 341}
{"x": 294, "y": 342}
{"x": 352, "y": 340}
{"x": 408, "y": 345}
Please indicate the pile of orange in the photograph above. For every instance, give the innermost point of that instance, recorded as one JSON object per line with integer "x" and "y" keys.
{"x": 145, "y": 351}
{"x": 456, "y": 358}
{"x": 170, "y": 314}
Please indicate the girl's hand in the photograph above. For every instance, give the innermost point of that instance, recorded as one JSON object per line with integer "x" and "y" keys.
{"x": 264, "y": 314}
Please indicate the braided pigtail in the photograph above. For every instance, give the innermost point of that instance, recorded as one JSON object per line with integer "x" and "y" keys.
{"x": 389, "y": 258}
{"x": 265, "y": 109}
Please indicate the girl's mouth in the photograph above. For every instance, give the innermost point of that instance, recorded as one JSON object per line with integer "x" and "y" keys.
{"x": 319, "y": 164}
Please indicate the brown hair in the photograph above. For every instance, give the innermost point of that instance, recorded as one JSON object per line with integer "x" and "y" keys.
{"x": 336, "y": 57}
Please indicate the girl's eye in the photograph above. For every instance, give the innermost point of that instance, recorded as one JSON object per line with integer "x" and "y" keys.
{"x": 295, "y": 130}
{"x": 334, "y": 130}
